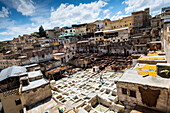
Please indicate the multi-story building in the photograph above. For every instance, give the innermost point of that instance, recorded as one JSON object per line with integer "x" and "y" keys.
{"x": 33, "y": 56}
{"x": 21, "y": 89}
{"x": 50, "y": 33}
{"x": 141, "y": 18}
{"x": 99, "y": 24}
{"x": 136, "y": 20}
{"x": 115, "y": 35}
{"x": 81, "y": 29}
{"x": 156, "y": 27}
{"x": 166, "y": 31}
{"x": 71, "y": 31}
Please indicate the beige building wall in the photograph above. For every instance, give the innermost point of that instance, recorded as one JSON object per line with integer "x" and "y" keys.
{"x": 144, "y": 95}
{"x": 116, "y": 24}
{"x": 107, "y": 24}
{"x": 35, "y": 95}
{"x": 166, "y": 40}
{"x": 125, "y": 22}
{"x": 50, "y": 33}
{"x": 81, "y": 29}
{"x": 141, "y": 18}
{"x": 8, "y": 99}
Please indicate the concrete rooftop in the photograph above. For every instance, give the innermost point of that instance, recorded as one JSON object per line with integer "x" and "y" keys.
{"x": 132, "y": 76}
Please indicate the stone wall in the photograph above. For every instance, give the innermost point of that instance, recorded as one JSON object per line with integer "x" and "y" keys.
{"x": 33, "y": 96}
{"x": 148, "y": 96}
{"x": 8, "y": 99}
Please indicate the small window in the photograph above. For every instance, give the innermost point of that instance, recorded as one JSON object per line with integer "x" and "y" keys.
{"x": 18, "y": 101}
{"x": 133, "y": 93}
{"x": 21, "y": 111}
{"x": 43, "y": 56}
{"x": 124, "y": 91}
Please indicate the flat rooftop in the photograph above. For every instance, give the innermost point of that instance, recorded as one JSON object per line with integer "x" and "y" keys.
{"x": 58, "y": 54}
{"x": 34, "y": 74}
{"x": 31, "y": 65}
{"x": 34, "y": 84}
{"x": 132, "y": 76}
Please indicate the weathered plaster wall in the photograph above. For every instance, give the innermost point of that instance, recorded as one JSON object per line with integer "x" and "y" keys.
{"x": 33, "y": 96}
{"x": 8, "y": 101}
{"x": 162, "y": 101}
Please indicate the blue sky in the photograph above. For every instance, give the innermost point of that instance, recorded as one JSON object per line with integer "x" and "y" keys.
{"x": 18, "y": 17}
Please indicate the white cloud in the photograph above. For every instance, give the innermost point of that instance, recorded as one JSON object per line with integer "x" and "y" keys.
{"x": 4, "y": 12}
{"x": 119, "y": 15}
{"x": 107, "y": 16}
{"x": 154, "y": 5}
{"x": 26, "y": 7}
{"x": 67, "y": 15}
{"x": 106, "y": 11}
{"x": 6, "y": 22}
{"x": 120, "y": 12}
{"x": 14, "y": 31}
{"x": 6, "y": 33}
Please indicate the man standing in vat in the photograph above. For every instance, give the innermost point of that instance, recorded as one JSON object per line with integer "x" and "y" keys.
{"x": 101, "y": 79}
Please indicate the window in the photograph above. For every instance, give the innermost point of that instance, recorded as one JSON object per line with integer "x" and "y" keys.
{"x": 133, "y": 93}
{"x": 18, "y": 101}
{"x": 130, "y": 23}
{"x": 43, "y": 56}
{"x": 70, "y": 30}
{"x": 124, "y": 91}
{"x": 21, "y": 111}
{"x": 106, "y": 24}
